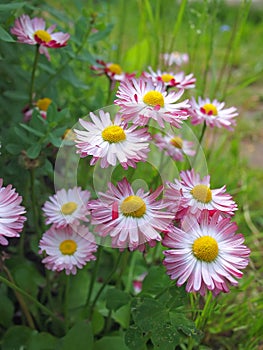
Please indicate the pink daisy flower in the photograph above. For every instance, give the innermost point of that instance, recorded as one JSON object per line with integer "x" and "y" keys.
{"x": 174, "y": 146}
{"x": 41, "y": 105}
{"x": 194, "y": 195}
{"x": 67, "y": 248}
{"x": 130, "y": 219}
{"x": 34, "y": 32}
{"x": 175, "y": 58}
{"x": 11, "y": 218}
{"x": 212, "y": 113}
{"x": 67, "y": 207}
{"x": 111, "y": 141}
{"x": 113, "y": 71}
{"x": 206, "y": 255}
{"x": 141, "y": 100}
{"x": 179, "y": 80}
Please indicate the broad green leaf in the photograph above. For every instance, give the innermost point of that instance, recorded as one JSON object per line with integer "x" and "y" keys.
{"x": 5, "y": 36}
{"x": 32, "y": 131}
{"x": 16, "y": 338}
{"x": 116, "y": 298}
{"x": 42, "y": 341}
{"x": 134, "y": 338}
{"x": 111, "y": 343}
{"x": 79, "y": 337}
{"x": 97, "y": 322}
{"x": 122, "y": 316}
{"x": 14, "y": 148}
{"x": 155, "y": 281}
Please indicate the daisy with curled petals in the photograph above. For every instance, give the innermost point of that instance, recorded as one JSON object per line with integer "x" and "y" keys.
{"x": 212, "y": 113}
{"x": 174, "y": 146}
{"x": 195, "y": 195}
{"x": 130, "y": 219}
{"x": 67, "y": 207}
{"x": 11, "y": 218}
{"x": 141, "y": 100}
{"x": 67, "y": 248}
{"x": 111, "y": 141}
{"x": 178, "y": 80}
{"x": 206, "y": 254}
{"x": 34, "y": 32}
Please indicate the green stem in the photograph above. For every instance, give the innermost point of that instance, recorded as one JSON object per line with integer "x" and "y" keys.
{"x": 66, "y": 63}
{"x": 28, "y": 296}
{"x": 66, "y": 304}
{"x": 33, "y": 75}
{"x": 203, "y": 318}
{"x": 200, "y": 140}
{"x": 21, "y": 301}
{"x": 105, "y": 283}
{"x": 33, "y": 200}
{"x": 94, "y": 275}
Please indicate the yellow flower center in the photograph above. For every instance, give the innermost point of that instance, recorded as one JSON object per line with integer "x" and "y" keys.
{"x": 68, "y": 247}
{"x": 205, "y": 248}
{"x": 43, "y": 103}
{"x": 202, "y": 193}
{"x": 210, "y": 109}
{"x": 113, "y": 134}
{"x": 69, "y": 208}
{"x": 176, "y": 142}
{"x": 133, "y": 206}
{"x": 43, "y": 35}
{"x": 115, "y": 68}
{"x": 167, "y": 78}
{"x": 153, "y": 98}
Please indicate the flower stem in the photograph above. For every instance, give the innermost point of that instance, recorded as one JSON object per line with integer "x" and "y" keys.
{"x": 206, "y": 312}
{"x": 31, "y": 88}
{"x": 200, "y": 140}
{"x": 105, "y": 283}
{"x": 33, "y": 200}
{"x": 13, "y": 286}
{"x": 94, "y": 275}
{"x": 66, "y": 304}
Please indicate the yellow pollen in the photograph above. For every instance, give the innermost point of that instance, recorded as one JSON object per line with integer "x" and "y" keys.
{"x": 68, "y": 247}
{"x": 176, "y": 142}
{"x": 202, "y": 193}
{"x": 210, "y": 109}
{"x": 43, "y": 35}
{"x": 113, "y": 134}
{"x": 133, "y": 206}
{"x": 167, "y": 78}
{"x": 115, "y": 68}
{"x": 69, "y": 208}
{"x": 43, "y": 103}
{"x": 153, "y": 98}
{"x": 205, "y": 248}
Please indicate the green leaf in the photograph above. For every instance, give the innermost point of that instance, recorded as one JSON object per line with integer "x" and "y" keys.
{"x": 42, "y": 341}
{"x": 100, "y": 34}
{"x": 56, "y": 141}
{"x": 138, "y": 55}
{"x": 134, "y": 338}
{"x": 5, "y": 36}
{"x": 31, "y": 130}
{"x": 11, "y": 6}
{"x": 16, "y": 338}
{"x": 122, "y": 316}
{"x": 97, "y": 322}
{"x": 116, "y": 298}
{"x": 6, "y": 308}
{"x": 148, "y": 313}
{"x": 111, "y": 343}
{"x": 155, "y": 281}
{"x": 79, "y": 336}
{"x": 34, "y": 151}
{"x": 14, "y": 148}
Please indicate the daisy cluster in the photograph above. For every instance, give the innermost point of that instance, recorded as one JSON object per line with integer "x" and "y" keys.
{"x": 191, "y": 219}
{"x": 67, "y": 244}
